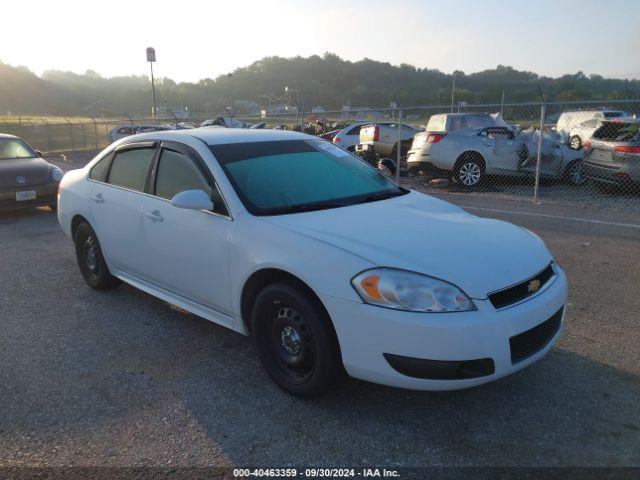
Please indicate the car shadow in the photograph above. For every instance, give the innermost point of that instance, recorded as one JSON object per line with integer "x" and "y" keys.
{"x": 119, "y": 353}
{"x": 10, "y": 216}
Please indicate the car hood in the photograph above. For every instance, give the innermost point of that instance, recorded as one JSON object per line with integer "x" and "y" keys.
{"x": 420, "y": 233}
{"x": 35, "y": 171}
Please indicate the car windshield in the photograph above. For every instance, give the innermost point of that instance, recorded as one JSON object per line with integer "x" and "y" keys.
{"x": 291, "y": 176}
{"x": 15, "y": 148}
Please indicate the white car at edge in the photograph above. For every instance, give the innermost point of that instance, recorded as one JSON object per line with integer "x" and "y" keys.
{"x": 321, "y": 259}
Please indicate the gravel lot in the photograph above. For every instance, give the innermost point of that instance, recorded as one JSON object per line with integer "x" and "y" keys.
{"x": 121, "y": 378}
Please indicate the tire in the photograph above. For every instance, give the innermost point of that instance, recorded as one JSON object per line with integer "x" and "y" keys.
{"x": 295, "y": 341}
{"x": 469, "y": 171}
{"x": 575, "y": 143}
{"x": 93, "y": 268}
{"x": 53, "y": 207}
{"x": 573, "y": 173}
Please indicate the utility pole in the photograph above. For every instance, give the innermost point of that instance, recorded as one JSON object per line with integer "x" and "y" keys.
{"x": 453, "y": 91}
{"x": 151, "y": 57}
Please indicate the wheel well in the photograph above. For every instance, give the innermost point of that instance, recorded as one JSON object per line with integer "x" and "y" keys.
{"x": 75, "y": 221}
{"x": 259, "y": 280}
{"x": 470, "y": 155}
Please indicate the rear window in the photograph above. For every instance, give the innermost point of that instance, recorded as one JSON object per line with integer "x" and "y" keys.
{"x": 617, "y": 132}
{"x": 614, "y": 114}
{"x": 99, "y": 170}
{"x": 15, "y": 148}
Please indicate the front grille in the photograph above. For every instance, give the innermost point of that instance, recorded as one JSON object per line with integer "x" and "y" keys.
{"x": 522, "y": 290}
{"x": 528, "y": 343}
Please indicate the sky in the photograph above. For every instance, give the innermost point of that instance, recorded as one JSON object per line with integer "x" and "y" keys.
{"x": 200, "y": 39}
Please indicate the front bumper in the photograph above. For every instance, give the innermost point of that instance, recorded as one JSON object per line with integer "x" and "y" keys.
{"x": 45, "y": 195}
{"x": 366, "y": 333}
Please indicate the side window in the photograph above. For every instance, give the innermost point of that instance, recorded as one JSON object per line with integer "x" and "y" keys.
{"x": 129, "y": 168}
{"x": 99, "y": 170}
{"x": 177, "y": 173}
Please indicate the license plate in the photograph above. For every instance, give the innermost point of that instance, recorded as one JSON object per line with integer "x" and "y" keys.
{"x": 25, "y": 195}
{"x": 602, "y": 155}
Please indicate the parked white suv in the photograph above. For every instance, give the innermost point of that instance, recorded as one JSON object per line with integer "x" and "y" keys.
{"x": 577, "y": 126}
{"x": 317, "y": 256}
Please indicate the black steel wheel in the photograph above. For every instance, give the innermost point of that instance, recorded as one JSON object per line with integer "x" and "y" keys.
{"x": 294, "y": 340}
{"x": 90, "y": 260}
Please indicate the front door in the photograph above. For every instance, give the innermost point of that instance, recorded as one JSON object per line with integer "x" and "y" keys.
{"x": 187, "y": 250}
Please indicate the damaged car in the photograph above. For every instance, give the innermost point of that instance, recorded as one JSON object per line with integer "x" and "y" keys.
{"x": 486, "y": 145}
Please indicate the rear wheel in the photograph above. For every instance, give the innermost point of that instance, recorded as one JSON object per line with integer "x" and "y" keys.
{"x": 575, "y": 142}
{"x": 294, "y": 340}
{"x": 469, "y": 171}
{"x": 91, "y": 261}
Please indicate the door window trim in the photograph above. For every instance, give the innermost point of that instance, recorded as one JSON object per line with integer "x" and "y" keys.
{"x": 200, "y": 164}
{"x": 152, "y": 144}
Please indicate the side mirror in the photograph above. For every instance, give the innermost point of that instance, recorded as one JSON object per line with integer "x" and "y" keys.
{"x": 39, "y": 153}
{"x": 192, "y": 200}
{"x": 387, "y": 167}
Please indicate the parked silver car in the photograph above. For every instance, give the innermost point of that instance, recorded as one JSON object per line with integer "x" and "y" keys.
{"x": 381, "y": 140}
{"x": 470, "y": 154}
{"x": 122, "y": 131}
{"x": 612, "y": 156}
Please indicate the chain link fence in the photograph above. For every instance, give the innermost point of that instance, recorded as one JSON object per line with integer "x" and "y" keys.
{"x": 585, "y": 153}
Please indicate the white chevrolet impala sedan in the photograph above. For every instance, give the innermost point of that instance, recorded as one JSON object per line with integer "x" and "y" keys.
{"x": 326, "y": 263}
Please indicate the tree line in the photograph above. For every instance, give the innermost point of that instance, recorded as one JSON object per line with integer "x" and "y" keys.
{"x": 327, "y": 81}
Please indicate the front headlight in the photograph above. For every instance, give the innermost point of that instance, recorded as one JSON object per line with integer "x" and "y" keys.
{"x": 56, "y": 174}
{"x": 402, "y": 290}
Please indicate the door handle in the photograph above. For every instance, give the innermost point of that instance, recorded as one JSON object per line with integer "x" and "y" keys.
{"x": 154, "y": 215}
{"x": 97, "y": 197}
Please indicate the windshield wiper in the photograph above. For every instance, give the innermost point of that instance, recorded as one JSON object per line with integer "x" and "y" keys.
{"x": 307, "y": 207}
{"x": 382, "y": 196}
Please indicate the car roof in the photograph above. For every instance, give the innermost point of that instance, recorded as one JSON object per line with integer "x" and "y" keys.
{"x": 7, "y": 135}
{"x": 217, "y": 136}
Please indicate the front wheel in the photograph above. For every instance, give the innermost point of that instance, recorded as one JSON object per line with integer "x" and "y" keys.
{"x": 294, "y": 340}
{"x": 91, "y": 261}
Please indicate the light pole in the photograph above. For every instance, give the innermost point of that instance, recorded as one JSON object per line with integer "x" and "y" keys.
{"x": 151, "y": 57}
{"x": 297, "y": 90}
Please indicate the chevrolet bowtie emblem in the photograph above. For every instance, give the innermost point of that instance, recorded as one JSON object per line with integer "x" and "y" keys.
{"x": 534, "y": 285}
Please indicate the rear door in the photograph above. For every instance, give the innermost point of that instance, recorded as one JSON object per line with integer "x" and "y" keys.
{"x": 116, "y": 206}
{"x": 501, "y": 149}
{"x": 187, "y": 250}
